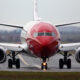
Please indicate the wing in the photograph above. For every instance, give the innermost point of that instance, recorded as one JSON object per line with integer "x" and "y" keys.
{"x": 69, "y": 46}
{"x": 15, "y": 26}
{"x": 67, "y": 24}
{"x": 12, "y": 47}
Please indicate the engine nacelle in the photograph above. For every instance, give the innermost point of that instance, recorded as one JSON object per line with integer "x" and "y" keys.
{"x": 3, "y": 55}
{"x": 77, "y": 55}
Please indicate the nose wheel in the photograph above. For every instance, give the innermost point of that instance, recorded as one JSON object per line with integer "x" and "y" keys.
{"x": 44, "y": 64}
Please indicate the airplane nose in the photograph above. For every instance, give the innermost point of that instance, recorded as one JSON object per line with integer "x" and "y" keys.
{"x": 44, "y": 41}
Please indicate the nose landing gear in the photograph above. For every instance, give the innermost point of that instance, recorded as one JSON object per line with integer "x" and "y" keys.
{"x": 44, "y": 64}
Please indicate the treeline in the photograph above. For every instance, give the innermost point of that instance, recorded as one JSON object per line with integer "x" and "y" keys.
{"x": 68, "y": 34}
{"x": 10, "y": 36}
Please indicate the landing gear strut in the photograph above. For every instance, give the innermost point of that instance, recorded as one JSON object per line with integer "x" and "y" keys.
{"x": 13, "y": 61}
{"x": 44, "y": 64}
{"x": 65, "y": 61}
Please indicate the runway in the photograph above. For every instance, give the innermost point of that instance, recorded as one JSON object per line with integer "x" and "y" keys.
{"x": 29, "y": 64}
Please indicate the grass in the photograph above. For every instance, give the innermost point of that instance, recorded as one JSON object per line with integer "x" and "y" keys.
{"x": 5, "y": 75}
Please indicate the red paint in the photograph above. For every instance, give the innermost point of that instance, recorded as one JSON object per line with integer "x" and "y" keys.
{"x": 44, "y": 46}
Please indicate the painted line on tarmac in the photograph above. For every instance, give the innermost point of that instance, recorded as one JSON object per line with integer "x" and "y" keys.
{"x": 22, "y": 59}
{"x": 37, "y": 66}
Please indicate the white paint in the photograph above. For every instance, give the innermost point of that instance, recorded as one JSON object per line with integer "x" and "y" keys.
{"x": 21, "y": 58}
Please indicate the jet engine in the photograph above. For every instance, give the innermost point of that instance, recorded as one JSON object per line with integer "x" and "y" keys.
{"x": 3, "y": 55}
{"x": 77, "y": 55}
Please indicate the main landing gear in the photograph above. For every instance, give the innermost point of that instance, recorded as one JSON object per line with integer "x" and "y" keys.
{"x": 44, "y": 64}
{"x": 13, "y": 61}
{"x": 65, "y": 61}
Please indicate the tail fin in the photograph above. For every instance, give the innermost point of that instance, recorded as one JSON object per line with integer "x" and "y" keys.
{"x": 36, "y": 18}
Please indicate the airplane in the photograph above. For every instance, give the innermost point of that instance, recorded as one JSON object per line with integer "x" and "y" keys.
{"x": 39, "y": 39}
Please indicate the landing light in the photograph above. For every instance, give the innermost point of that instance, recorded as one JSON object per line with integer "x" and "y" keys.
{"x": 44, "y": 63}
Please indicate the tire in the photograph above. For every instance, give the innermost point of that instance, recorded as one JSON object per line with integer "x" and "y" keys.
{"x": 10, "y": 63}
{"x": 61, "y": 63}
{"x": 46, "y": 66}
{"x": 42, "y": 66}
{"x": 69, "y": 63}
{"x": 17, "y": 63}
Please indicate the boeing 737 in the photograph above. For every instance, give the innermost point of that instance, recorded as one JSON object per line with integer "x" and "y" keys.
{"x": 39, "y": 39}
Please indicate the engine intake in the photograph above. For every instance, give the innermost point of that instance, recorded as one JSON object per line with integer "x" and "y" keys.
{"x": 77, "y": 55}
{"x": 2, "y": 55}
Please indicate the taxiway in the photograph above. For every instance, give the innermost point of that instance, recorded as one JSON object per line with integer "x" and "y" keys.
{"x": 29, "y": 64}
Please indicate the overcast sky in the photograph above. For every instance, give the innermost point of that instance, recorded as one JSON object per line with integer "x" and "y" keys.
{"x": 20, "y": 12}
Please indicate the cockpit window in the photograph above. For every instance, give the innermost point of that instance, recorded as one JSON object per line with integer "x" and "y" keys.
{"x": 40, "y": 34}
{"x": 44, "y": 34}
{"x": 53, "y": 34}
{"x": 48, "y": 34}
{"x": 35, "y": 34}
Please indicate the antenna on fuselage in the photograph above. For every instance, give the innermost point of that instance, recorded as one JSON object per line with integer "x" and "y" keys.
{"x": 36, "y": 17}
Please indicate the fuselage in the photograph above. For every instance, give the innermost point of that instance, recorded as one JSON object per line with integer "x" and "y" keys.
{"x": 42, "y": 38}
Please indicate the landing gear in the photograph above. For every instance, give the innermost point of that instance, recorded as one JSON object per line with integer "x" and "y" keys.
{"x": 65, "y": 61}
{"x": 13, "y": 61}
{"x": 44, "y": 64}
{"x": 10, "y": 63}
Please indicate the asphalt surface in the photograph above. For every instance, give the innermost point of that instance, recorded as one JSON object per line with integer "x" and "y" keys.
{"x": 34, "y": 64}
